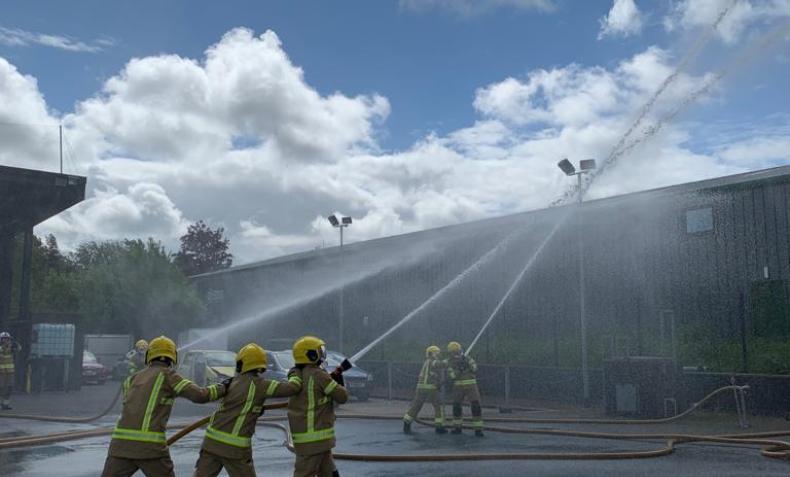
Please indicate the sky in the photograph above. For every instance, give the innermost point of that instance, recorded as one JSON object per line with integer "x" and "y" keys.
{"x": 264, "y": 117}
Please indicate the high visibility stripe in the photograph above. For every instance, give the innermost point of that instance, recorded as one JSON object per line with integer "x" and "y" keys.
{"x": 295, "y": 380}
{"x": 272, "y": 388}
{"x": 465, "y": 382}
{"x": 438, "y": 420}
{"x": 407, "y": 417}
{"x": 245, "y": 410}
{"x": 330, "y": 387}
{"x": 310, "y": 406}
{"x": 315, "y": 436}
{"x": 230, "y": 439}
{"x": 212, "y": 392}
{"x": 6, "y": 366}
{"x": 138, "y": 435}
{"x": 477, "y": 423}
{"x": 429, "y": 387}
{"x": 126, "y": 383}
{"x": 425, "y": 372}
{"x": 152, "y": 400}
{"x": 181, "y": 385}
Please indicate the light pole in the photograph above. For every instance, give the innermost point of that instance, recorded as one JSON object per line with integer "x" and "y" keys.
{"x": 585, "y": 166}
{"x": 340, "y": 224}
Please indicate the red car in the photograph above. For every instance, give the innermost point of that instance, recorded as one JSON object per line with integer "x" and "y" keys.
{"x": 92, "y": 370}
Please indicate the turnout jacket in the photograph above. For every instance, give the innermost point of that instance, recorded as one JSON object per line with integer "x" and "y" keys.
{"x": 148, "y": 397}
{"x": 430, "y": 374}
{"x": 462, "y": 370}
{"x": 230, "y": 430}
{"x": 311, "y": 413}
{"x": 7, "y": 357}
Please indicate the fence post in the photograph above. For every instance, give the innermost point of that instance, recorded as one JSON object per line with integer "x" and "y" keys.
{"x": 389, "y": 380}
{"x": 507, "y": 385}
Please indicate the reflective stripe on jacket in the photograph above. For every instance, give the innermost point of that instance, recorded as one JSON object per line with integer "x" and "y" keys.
{"x": 7, "y": 358}
{"x": 232, "y": 426}
{"x": 311, "y": 413}
{"x": 148, "y": 398}
{"x": 462, "y": 370}
{"x": 429, "y": 374}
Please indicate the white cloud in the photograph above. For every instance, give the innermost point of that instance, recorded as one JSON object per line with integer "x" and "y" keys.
{"x": 239, "y": 138}
{"x": 28, "y": 132}
{"x": 475, "y": 7}
{"x": 19, "y": 37}
{"x": 741, "y": 15}
{"x": 623, "y": 20}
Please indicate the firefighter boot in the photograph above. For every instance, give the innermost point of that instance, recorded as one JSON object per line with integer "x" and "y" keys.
{"x": 479, "y": 432}
{"x": 406, "y": 427}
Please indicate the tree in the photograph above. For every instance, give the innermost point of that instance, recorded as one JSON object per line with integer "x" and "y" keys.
{"x": 132, "y": 286}
{"x": 203, "y": 249}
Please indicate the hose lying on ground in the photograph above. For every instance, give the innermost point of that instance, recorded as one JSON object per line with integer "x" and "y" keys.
{"x": 74, "y": 420}
{"x": 23, "y": 441}
{"x": 771, "y": 448}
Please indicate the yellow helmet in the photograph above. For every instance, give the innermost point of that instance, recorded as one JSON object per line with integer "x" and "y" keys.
{"x": 251, "y": 357}
{"x": 309, "y": 350}
{"x": 141, "y": 345}
{"x": 432, "y": 350}
{"x": 162, "y": 347}
{"x": 453, "y": 347}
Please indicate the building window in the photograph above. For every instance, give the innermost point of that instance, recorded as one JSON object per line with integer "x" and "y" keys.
{"x": 699, "y": 220}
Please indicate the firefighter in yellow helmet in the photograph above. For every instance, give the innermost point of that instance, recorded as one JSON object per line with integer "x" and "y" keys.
{"x": 462, "y": 370}
{"x": 136, "y": 356}
{"x": 7, "y": 349}
{"x": 428, "y": 390}
{"x": 228, "y": 440}
{"x": 138, "y": 440}
{"x": 311, "y": 413}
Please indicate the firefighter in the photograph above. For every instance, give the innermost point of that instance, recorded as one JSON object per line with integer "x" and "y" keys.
{"x": 428, "y": 390}
{"x": 228, "y": 439}
{"x": 461, "y": 369}
{"x": 136, "y": 356}
{"x": 7, "y": 349}
{"x": 138, "y": 440}
{"x": 311, "y": 413}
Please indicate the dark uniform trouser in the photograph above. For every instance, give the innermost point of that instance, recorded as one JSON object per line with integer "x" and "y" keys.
{"x": 120, "y": 467}
{"x": 210, "y": 465}
{"x": 6, "y": 387}
{"x": 423, "y": 395}
{"x": 467, "y": 391}
{"x": 316, "y": 465}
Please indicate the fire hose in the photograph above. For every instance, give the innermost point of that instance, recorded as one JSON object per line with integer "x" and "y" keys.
{"x": 770, "y": 448}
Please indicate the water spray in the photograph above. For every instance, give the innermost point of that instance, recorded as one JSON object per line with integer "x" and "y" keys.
{"x": 621, "y": 147}
{"x": 485, "y": 258}
{"x": 516, "y": 282}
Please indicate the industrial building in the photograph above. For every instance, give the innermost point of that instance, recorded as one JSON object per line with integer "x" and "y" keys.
{"x": 666, "y": 272}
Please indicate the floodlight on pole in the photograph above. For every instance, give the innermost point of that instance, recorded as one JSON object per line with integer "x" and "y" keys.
{"x": 585, "y": 166}
{"x": 340, "y": 224}
{"x": 567, "y": 167}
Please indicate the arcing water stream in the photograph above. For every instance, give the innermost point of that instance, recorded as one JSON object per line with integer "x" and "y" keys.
{"x": 485, "y": 258}
{"x": 621, "y": 147}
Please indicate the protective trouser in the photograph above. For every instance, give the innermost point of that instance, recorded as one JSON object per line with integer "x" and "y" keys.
{"x": 119, "y": 467}
{"x": 470, "y": 392}
{"x": 6, "y": 388}
{"x": 423, "y": 395}
{"x": 316, "y": 465}
{"x": 210, "y": 465}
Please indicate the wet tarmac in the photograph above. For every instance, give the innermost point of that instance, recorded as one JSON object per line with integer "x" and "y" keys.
{"x": 86, "y": 457}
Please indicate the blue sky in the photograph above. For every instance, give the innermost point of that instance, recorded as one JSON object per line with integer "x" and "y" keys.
{"x": 432, "y": 88}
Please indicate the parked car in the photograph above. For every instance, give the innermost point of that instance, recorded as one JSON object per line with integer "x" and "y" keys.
{"x": 204, "y": 367}
{"x": 92, "y": 370}
{"x": 357, "y": 379}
